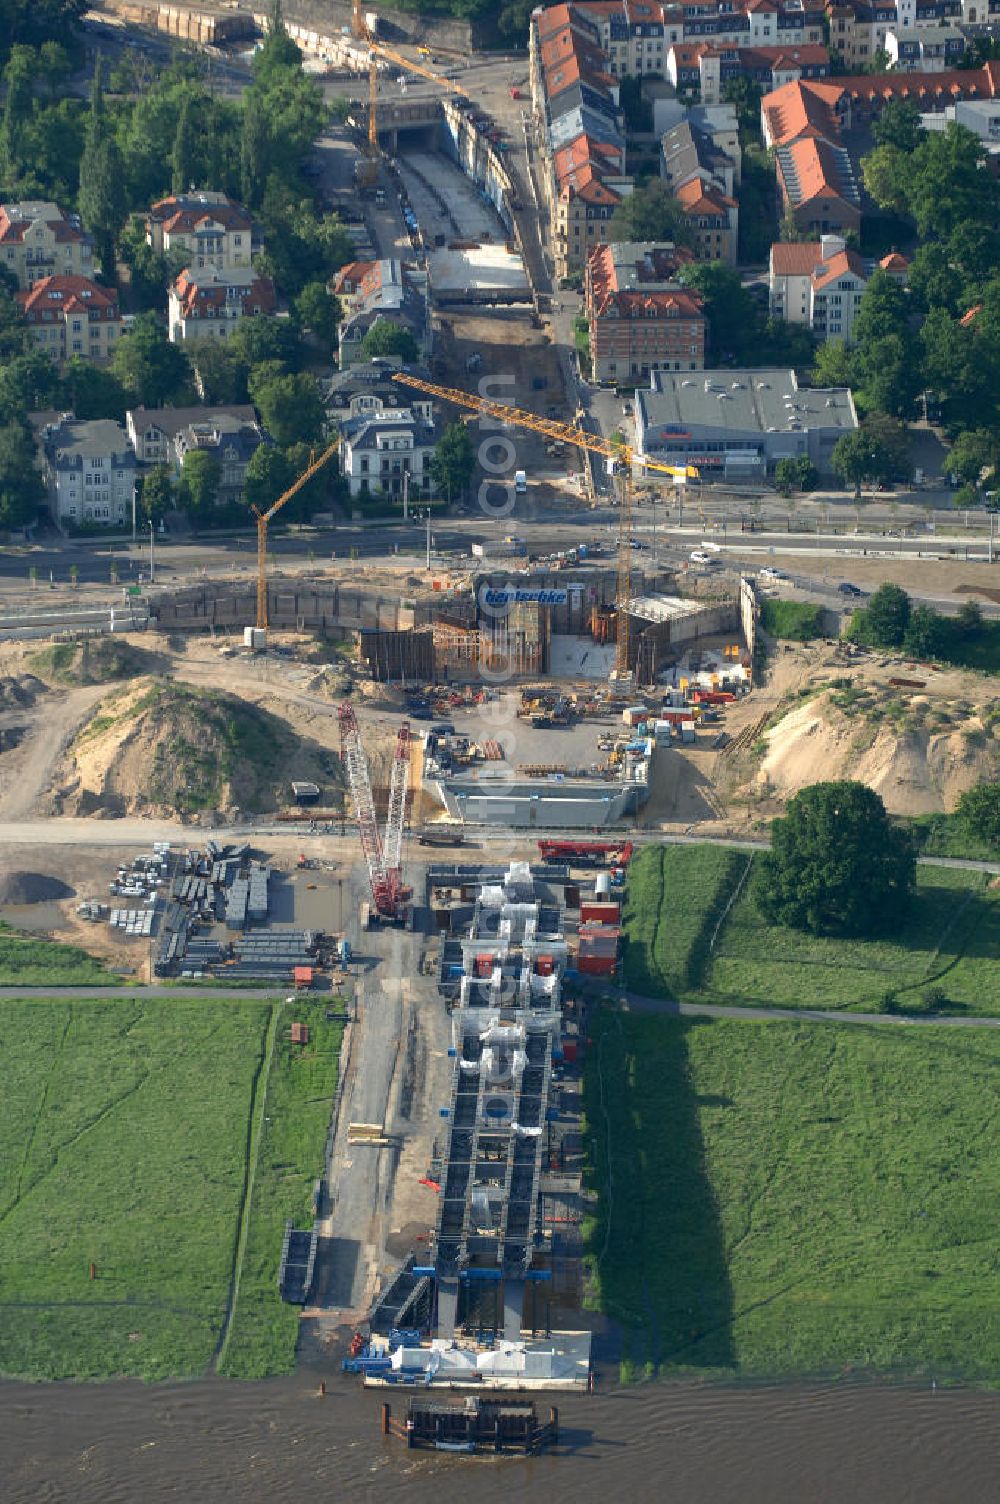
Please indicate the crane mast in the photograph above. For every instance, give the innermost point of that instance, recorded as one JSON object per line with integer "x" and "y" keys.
{"x": 397, "y": 804}
{"x": 624, "y": 458}
{"x": 383, "y": 859}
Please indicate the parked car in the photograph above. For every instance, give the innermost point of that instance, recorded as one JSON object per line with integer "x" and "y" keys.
{"x": 767, "y": 573}
{"x": 846, "y": 588}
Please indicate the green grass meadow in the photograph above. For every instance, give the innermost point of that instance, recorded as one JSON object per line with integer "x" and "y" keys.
{"x": 676, "y": 946}
{"x": 289, "y": 1159}
{"x": 127, "y": 1140}
{"x": 27, "y": 961}
{"x": 789, "y": 1199}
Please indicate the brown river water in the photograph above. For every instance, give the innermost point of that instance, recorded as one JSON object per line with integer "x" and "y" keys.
{"x": 215, "y": 1441}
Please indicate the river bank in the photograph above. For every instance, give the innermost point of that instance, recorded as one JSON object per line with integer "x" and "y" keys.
{"x": 218, "y": 1441}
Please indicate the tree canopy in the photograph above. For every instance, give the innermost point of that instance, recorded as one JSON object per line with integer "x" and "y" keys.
{"x": 385, "y": 338}
{"x": 651, "y": 212}
{"x": 454, "y": 460}
{"x": 152, "y": 370}
{"x": 837, "y": 865}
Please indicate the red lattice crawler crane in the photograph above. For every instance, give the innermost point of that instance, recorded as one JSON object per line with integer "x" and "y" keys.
{"x": 383, "y": 856}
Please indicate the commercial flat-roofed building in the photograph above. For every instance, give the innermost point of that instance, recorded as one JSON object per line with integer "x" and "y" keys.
{"x": 732, "y": 423}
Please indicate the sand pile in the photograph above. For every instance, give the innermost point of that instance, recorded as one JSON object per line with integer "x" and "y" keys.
{"x": 918, "y": 762}
{"x": 168, "y": 748}
{"x": 32, "y": 887}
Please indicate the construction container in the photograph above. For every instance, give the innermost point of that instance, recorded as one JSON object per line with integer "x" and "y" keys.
{"x": 687, "y": 731}
{"x": 600, "y": 913}
{"x": 544, "y": 966}
{"x": 571, "y": 895}
{"x": 302, "y": 976}
{"x": 255, "y": 638}
{"x": 484, "y": 966}
{"x": 569, "y": 1049}
{"x": 598, "y": 951}
{"x": 602, "y": 885}
{"x": 662, "y": 732}
{"x": 634, "y": 715}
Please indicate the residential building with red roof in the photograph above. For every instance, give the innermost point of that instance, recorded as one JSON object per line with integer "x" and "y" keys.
{"x": 70, "y": 315}
{"x": 818, "y": 283}
{"x": 770, "y": 67}
{"x": 209, "y": 304}
{"x": 208, "y": 228}
{"x": 818, "y": 188}
{"x": 38, "y": 239}
{"x": 897, "y": 266}
{"x": 640, "y": 315}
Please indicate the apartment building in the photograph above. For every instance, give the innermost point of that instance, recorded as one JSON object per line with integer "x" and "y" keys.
{"x": 231, "y": 434}
{"x": 90, "y": 472}
{"x": 387, "y": 290}
{"x": 914, "y": 49}
{"x": 818, "y": 283}
{"x": 70, "y": 315}
{"x": 210, "y": 303}
{"x": 703, "y": 178}
{"x": 206, "y": 228}
{"x": 640, "y": 316}
{"x": 378, "y": 448}
{"x": 39, "y": 240}
{"x": 769, "y": 67}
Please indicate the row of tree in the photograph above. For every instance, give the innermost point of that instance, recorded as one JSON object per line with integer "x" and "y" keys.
{"x": 890, "y": 620}
{"x": 939, "y": 338}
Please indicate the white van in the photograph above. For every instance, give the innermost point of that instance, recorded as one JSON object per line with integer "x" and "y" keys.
{"x": 520, "y": 482}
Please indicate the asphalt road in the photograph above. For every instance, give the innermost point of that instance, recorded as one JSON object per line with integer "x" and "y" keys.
{"x": 377, "y": 1033}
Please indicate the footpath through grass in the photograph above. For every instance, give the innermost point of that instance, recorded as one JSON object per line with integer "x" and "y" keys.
{"x": 289, "y": 1160}
{"x": 785, "y": 1198}
{"x": 124, "y": 1142}
{"x": 27, "y": 961}
{"x": 693, "y": 932}
{"x": 950, "y": 941}
{"x": 675, "y": 897}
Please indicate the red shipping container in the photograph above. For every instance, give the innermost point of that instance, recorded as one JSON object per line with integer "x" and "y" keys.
{"x": 484, "y": 966}
{"x": 569, "y": 1050}
{"x": 544, "y": 966}
{"x": 602, "y": 913}
{"x": 597, "y": 966}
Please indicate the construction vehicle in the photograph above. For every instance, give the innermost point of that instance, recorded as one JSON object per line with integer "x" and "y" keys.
{"x": 263, "y": 518}
{"x": 587, "y": 853}
{"x": 624, "y": 459}
{"x": 383, "y": 854}
{"x": 362, "y": 32}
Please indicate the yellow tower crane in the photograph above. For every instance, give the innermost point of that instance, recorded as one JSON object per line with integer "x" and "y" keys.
{"x": 263, "y": 518}
{"x": 621, "y": 453}
{"x": 363, "y": 33}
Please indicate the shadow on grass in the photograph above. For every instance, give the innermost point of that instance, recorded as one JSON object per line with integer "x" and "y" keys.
{"x": 656, "y": 1246}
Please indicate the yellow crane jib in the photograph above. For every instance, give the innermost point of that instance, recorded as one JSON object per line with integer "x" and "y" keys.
{"x": 620, "y": 452}
{"x": 263, "y": 518}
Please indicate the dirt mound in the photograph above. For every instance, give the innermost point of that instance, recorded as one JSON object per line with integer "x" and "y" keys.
{"x": 32, "y": 887}
{"x": 23, "y": 690}
{"x": 169, "y": 748}
{"x": 919, "y": 757}
{"x": 100, "y": 660}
